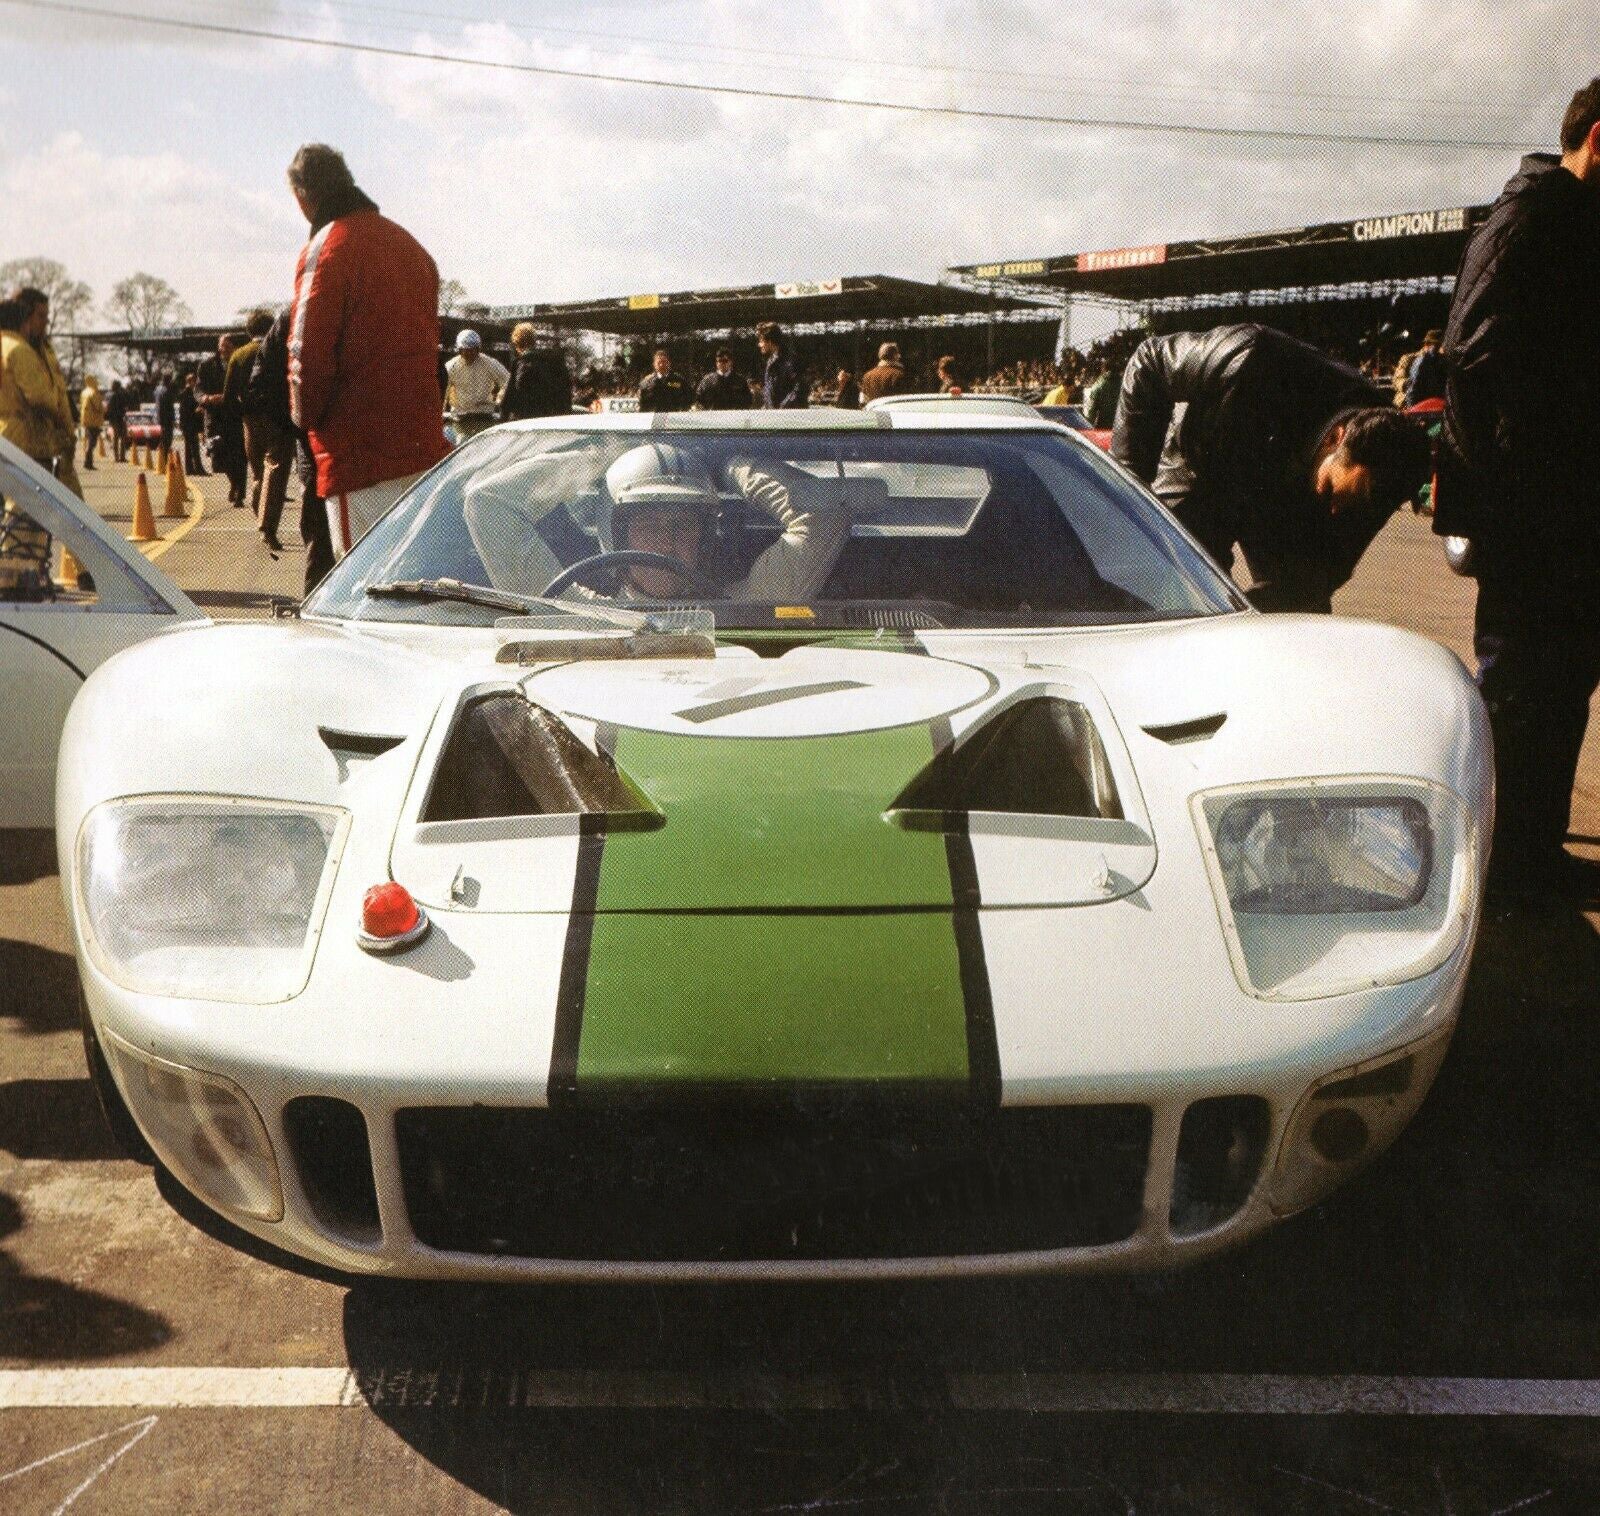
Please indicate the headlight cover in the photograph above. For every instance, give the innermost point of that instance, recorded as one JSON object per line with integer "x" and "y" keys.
{"x": 218, "y": 899}
{"x": 1329, "y": 886}
{"x": 204, "y": 1129}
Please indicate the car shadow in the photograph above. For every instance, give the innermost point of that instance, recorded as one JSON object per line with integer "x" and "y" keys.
{"x": 48, "y": 1320}
{"x": 26, "y": 855}
{"x": 38, "y": 987}
{"x": 54, "y": 1119}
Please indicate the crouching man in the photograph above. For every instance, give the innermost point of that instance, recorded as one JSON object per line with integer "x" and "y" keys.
{"x": 1282, "y": 450}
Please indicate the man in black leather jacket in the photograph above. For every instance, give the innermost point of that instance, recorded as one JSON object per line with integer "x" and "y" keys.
{"x": 1281, "y": 449}
{"x": 269, "y": 382}
{"x": 1518, "y": 475}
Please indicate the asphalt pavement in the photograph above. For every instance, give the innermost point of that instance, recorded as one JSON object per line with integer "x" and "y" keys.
{"x": 1426, "y": 1341}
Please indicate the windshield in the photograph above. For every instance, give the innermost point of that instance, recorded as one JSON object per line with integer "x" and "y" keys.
{"x": 794, "y": 530}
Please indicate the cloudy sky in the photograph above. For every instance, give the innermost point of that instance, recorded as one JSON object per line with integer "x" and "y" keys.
{"x": 126, "y": 147}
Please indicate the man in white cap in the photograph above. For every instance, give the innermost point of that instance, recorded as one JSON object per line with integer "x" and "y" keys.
{"x": 476, "y": 383}
{"x": 660, "y": 497}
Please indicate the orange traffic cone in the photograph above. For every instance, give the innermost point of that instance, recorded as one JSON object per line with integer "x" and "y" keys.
{"x": 176, "y": 502}
{"x": 69, "y": 570}
{"x": 161, "y": 459}
{"x": 105, "y": 452}
{"x": 144, "y": 521}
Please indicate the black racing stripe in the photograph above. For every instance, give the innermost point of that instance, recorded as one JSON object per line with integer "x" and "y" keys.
{"x": 563, "y": 1084}
{"x": 983, "y": 1043}
{"x": 713, "y": 710}
{"x": 55, "y": 653}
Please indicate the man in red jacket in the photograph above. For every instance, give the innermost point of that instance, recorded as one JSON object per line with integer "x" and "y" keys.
{"x": 363, "y": 345}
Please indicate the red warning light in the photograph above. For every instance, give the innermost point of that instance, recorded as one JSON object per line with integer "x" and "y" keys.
{"x": 390, "y": 918}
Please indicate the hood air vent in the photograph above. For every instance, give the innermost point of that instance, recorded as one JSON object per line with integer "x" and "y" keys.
{"x": 1189, "y": 731}
{"x": 352, "y": 748}
{"x": 1040, "y": 757}
{"x": 508, "y": 757}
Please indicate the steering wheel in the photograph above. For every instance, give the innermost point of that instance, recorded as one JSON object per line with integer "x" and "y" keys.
{"x": 630, "y": 557}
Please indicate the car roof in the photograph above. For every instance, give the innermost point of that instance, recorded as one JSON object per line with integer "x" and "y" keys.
{"x": 822, "y": 419}
{"x": 993, "y": 404}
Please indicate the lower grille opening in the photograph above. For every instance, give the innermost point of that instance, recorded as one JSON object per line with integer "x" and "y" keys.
{"x": 789, "y": 1181}
{"x": 1220, "y": 1148}
{"x": 328, "y": 1141}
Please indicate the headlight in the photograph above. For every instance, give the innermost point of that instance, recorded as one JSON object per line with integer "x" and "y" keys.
{"x": 216, "y": 899}
{"x": 1309, "y": 855}
{"x": 1328, "y": 886}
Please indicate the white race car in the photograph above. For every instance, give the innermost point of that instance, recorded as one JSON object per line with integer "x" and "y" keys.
{"x": 762, "y": 846}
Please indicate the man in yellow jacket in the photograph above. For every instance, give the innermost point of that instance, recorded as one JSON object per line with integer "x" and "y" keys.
{"x": 91, "y": 417}
{"x": 35, "y": 408}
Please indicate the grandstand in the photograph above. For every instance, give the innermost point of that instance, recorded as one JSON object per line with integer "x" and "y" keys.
{"x": 1363, "y": 289}
{"x": 837, "y": 323}
{"x": 1336, "y": 283}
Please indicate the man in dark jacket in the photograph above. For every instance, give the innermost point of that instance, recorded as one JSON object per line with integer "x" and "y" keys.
{"x": 540, "y": 384}
{"x": 723, "y": 389}
{"x": 166, "y": 398}
{"x": 1426, "y": 379}
{"x": 117, "y": 407}
{"x": 1517, "y": 474}
{"x": 887, "y": 376}
{"x": 783, "y": 387}
{"x": 662, "y": 389}
{"x": 209, "y": 381}
{"x": 1281, "y": 449}
{"x": 190, "y": 420}
{"x": 269, "y": 387}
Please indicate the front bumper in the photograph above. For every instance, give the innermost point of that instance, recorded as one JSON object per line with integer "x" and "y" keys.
{"x": 367, "y": 1180}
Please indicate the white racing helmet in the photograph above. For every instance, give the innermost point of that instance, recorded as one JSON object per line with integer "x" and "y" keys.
{"x": 661, "y": 475}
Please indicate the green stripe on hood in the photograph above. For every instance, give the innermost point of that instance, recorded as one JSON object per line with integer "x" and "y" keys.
{"x": 776, "y": 929}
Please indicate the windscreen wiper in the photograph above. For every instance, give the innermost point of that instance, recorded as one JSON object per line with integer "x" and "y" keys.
{"x": 540, "y": 613}
{"x": 429, "y": 590}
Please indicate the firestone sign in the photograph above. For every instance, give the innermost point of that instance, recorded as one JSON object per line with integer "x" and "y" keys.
{"x": 1122, "y": 257}
{"x": 1409, "y": 224}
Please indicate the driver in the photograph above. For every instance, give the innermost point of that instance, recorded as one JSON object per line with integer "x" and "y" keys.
{"x": 660, "y": 497}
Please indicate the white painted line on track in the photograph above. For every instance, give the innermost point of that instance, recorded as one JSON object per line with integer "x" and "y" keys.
{"x": 424, "y": 1388}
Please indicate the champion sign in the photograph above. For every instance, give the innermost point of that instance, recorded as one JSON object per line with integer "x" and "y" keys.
{"x": 1409, "y": 224}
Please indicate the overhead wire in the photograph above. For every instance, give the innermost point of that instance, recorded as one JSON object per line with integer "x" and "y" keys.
{"x": 1160, "y": 93}
{"x": 1097, "y": 123}
{"x": 1064, "y": 81}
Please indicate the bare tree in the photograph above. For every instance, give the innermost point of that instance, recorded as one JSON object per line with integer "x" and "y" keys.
{"x": 451, "y": 293}
{"x": 70, "y": 299}
{"x": 144, "y": 304}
